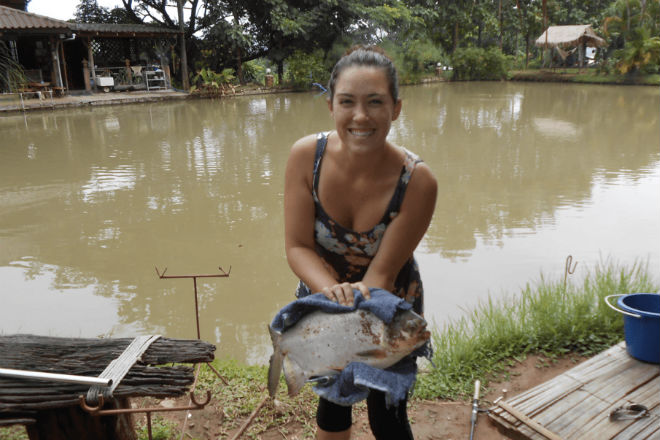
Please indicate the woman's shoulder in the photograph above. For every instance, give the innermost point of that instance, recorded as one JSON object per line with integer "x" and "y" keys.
{"x": 308, "y": 142}
{"x": 303, "y": 152}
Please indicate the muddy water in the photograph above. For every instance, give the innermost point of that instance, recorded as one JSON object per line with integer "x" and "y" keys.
{"x": 93, "y": 201}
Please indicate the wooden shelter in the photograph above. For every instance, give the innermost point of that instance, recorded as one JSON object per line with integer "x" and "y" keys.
{"x": 56, "y": 52}
{"x": 563, "y": 37}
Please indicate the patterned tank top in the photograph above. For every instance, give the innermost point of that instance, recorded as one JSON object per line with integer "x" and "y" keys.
{"x": 347, "y": 253}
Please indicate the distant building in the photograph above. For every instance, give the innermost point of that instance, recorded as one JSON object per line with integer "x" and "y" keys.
{"x": 56, "y": 52}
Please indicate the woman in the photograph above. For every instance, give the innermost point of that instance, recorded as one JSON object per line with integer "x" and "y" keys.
{"x": 356, "y": 206}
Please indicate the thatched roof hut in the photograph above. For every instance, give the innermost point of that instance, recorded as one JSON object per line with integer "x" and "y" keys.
{"x": 578, "y": 36}
{"x": 570, "y": 36}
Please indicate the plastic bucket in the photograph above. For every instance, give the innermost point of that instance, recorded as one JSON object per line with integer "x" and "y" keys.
{"x": 641, "y": 324}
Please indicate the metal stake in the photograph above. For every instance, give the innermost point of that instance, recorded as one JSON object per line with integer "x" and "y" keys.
{"x": 223, "y": 274}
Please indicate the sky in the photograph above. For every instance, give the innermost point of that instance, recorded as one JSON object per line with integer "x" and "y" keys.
{"x": 62, "y": 9}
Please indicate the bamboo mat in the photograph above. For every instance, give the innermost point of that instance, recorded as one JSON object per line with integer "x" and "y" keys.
{"x": 576, "y": 404}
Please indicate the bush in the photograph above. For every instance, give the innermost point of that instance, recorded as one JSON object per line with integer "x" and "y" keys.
{"x": 415, "y": 59}
{"x": 254, "y": 71}
{"x": 303, "y": 69}
{"x": 474, "y": 63}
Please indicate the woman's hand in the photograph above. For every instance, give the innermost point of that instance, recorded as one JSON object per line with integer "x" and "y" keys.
{"x": 343, "y": 293}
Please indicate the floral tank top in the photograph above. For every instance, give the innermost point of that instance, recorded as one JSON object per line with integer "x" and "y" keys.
{"x": 347, "y": 253}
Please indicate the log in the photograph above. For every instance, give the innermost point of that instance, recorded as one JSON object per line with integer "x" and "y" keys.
{"x": 89, "y": 357}
{"x": 54, "y": 406}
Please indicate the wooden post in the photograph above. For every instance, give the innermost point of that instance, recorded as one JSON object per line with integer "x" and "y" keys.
{"x": 66, "y": 79}
{"x": 129, "y": 72}
{"x": 581, "y": 54}
{"x": 90, "y": 53}
{"x": 184, "y": 57}
{"x": 55, "y": 67}
{"x": 168, "y": 77}
{"x": 88, "y": 85}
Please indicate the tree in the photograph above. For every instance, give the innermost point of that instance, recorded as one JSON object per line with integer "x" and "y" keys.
{"x": 89, "y": 11}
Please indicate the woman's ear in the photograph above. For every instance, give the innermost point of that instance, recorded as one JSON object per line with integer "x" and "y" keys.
{"x": 329, "y": 101}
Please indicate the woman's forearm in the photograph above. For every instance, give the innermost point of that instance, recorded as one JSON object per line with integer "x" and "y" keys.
{"x": 309, "y": 267}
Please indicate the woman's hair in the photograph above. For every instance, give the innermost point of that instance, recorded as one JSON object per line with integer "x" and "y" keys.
{"x": 366, "y": 56}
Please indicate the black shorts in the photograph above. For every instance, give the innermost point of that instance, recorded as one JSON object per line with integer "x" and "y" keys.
{"x": 386, "y": 423}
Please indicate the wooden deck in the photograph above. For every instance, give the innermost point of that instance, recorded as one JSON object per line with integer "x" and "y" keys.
{"x": 576, "y": 404}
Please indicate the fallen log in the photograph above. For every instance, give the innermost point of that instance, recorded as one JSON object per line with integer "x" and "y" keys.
{"x": 54, "y": 405}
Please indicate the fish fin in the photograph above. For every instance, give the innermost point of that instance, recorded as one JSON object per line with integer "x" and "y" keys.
{"x": 294, "y": 375}
{"x": 275, "y": 367}
{"x": 375, "y": 353}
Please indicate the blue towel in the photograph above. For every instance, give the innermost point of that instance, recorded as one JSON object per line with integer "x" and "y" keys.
{"x": 353, "y": 383}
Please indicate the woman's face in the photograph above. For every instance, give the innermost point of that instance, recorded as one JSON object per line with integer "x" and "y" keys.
{"x": 363, "y": 108}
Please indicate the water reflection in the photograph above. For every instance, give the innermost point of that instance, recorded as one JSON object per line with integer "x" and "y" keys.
{"x": 510, "y": 155}
{"x": 92, "y": 199}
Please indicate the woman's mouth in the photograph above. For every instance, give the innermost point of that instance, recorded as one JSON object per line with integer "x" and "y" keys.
{"x": 360, "y": 132}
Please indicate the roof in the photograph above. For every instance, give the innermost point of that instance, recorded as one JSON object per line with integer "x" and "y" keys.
{"x": 570, "y": 35}
{"x": 15, "y": 20}
{"x": 121, "y": 30}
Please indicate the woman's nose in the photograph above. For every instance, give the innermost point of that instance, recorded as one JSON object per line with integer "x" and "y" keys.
{"x": 360, "y": 113}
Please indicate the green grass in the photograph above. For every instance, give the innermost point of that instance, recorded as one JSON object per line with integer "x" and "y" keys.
{"x": 161, "y": 429}
{"x": 247, "y": 388}
{"x": 547, "y": 318}
{"x": 587, "y": 75}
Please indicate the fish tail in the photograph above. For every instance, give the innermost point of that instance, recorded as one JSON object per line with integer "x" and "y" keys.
{"x": 275, "y": 367}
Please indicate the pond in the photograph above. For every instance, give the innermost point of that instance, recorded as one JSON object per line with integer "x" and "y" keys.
{"x": 93, "y": 201}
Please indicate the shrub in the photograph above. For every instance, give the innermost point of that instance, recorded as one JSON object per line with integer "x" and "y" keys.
{"x": 415, "y": 59}
{"x": 475, "y": 63}
{"x": 303, "y": 69}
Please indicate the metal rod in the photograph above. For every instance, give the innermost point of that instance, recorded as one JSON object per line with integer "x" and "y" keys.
{"x": 475, "y": 408}
{"x": 55, "y": 377}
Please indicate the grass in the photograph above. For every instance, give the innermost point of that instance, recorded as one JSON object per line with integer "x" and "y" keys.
{"x": 549, "y": 317}
{"x": 586, "y": 75}
{"x": 246, "y": 390}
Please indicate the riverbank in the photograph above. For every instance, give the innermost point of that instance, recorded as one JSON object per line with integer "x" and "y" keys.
{"x": 13, "y": 102}
{"x": 511, "y": 346}
{"x": 581, "y": 76}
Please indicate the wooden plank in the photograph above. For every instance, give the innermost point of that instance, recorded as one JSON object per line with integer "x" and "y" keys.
{"x": 648, "y": 395}
{"x": 564, "y": 417}
{"x": 529, "y": 422}
{"x": 576, "y": 404}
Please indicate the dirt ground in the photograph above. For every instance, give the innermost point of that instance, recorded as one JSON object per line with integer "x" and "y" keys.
{"x": 430, "y": 419}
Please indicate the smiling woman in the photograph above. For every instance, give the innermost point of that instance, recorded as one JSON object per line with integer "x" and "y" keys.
{"x": 356, "y": 206}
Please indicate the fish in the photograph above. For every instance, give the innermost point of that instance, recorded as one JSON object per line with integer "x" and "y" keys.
{"x": 320, "y": 345}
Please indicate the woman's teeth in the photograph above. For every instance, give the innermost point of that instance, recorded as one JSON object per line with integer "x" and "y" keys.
{"x": 362, "y": 133}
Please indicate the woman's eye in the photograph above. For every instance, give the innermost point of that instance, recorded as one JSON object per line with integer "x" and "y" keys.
{"x": 345, "y": 101}
{"x": 376, "y": 101}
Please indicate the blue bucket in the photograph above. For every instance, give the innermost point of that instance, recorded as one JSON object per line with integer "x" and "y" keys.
{"x": 641, "y": 324}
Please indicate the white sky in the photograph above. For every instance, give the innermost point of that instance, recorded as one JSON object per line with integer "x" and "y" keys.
{"x": 63, "y": 9}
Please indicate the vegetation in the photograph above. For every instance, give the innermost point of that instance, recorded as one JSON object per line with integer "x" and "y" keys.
{"x": 12, "y": 76}
{"x": 208, "y": 82}
{"x": 474, "y": 63}
{"x": 550, "y": 317}
{"x": 301, "y": 40}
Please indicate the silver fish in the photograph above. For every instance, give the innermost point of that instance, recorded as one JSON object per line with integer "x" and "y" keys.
{"x": 321, "y": 345}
